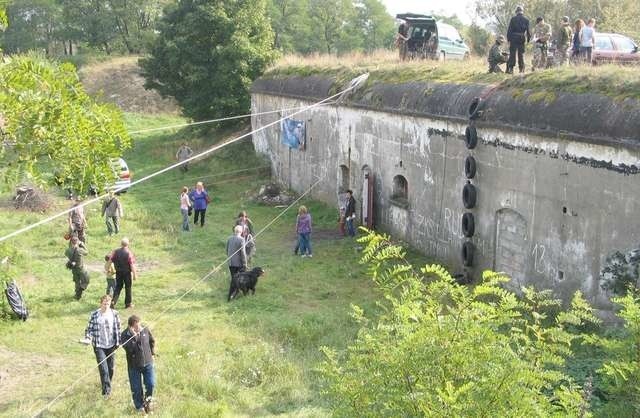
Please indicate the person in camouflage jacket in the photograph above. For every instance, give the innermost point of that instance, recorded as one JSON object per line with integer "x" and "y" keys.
{"x": 497, "y": 56}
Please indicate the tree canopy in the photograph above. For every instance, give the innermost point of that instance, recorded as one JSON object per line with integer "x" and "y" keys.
{"x": 53, "y": 131}
{"x": 208, "y": 53}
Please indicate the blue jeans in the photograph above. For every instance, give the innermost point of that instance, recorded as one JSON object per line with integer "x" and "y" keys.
{"x": 111, "y": 286}
{"x": 350, "y": 228}
{"x": 304, "y": 243}
{"x": 136, "y": 376}
{"x": 185, "y": 219}
{"x": 106, "y": 367}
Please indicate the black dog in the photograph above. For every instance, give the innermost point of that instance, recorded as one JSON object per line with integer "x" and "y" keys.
{"x": 245, "y": 281}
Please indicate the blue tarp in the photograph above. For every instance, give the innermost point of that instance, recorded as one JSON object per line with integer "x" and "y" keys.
{"x": 292, "y": 133}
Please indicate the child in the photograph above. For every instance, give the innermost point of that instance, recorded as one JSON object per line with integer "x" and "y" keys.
{"x": 110, "y": 272}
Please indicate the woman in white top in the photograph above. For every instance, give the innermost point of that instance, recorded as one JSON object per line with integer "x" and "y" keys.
{"x": 587, "y": 40}
{"x": 185, "y": 204}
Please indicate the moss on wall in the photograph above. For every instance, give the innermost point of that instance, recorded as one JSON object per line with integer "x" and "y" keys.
{"x": 617, "y": 82}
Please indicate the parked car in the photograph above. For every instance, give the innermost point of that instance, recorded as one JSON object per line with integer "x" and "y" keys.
{"x": 429, "y": 38}
{"x": 123, "y": 180}
{"x": 615, "y": 48}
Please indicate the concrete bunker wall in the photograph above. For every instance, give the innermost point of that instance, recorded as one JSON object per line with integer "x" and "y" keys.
{"x": 549, "y": 210}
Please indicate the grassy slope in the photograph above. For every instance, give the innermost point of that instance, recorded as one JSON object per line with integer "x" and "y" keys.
{"x": 609, "y": 80}
{"x": 253, "y": 357}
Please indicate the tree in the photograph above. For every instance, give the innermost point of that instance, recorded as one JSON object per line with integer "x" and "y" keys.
{"x": 290, "y": 24}
{"x": 34, "y": 26}
{"x": 622, "y": 17}
{"x": 329, "y": 20}
{"x": 447, "y": 350}
{"x": 479, "y": 39}
{"x": 53, "y": 132}
{"x": 208, "y": 53}
{"x": 377, "y": 27}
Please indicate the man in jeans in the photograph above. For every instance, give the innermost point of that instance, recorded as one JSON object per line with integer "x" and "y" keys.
{"x": 350, "y": 213}
{"x": 125, "y": 264}
{"x": 103, "y": 332}
{"x": 138, "y": 343}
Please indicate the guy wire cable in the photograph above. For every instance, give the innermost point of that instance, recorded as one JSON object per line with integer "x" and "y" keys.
{"x": 354, "y": 83}
{"x": 182, "y": 125}
{"x": 156, "y": 319}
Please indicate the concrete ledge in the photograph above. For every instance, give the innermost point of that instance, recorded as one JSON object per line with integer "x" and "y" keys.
{"x": 585, "y": 117}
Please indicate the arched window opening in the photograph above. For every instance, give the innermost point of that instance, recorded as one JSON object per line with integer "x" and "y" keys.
{"x": 400, "y": 192}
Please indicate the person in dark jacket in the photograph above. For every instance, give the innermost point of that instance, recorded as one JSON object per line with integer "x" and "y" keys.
{"x": 125, "y": 264}
{"x": 139, "y": 344}
{"x": 518, "y": 34}
{"x": 350, "y": 213}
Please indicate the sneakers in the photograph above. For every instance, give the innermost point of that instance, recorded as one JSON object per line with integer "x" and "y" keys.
{"x": 303, "y": 255}
{"x": 131, "y": 305}
{"x": 148, "y": 404}
{"x": 310, "y": 255}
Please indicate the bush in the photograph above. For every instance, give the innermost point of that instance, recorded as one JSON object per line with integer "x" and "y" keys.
{"x": 443, "y": 349}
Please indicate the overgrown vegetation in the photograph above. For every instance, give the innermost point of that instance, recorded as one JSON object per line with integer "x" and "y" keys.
{"x": 609, "y": 80}
{"x": 53, "y": 131}
{"x": 443, "y": 349}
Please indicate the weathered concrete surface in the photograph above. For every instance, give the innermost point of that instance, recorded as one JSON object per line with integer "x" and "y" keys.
{"x": 552, "y": 203}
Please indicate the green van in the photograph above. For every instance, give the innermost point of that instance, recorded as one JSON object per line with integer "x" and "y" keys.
{"x": 428, "y": 38}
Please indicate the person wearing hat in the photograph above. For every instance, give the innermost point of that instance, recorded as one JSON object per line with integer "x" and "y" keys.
{"x": 541, "y": 38}
{"x": 518, "y": 34}
{"x": 565, "y": 36}
{"x": 497, "y": 56}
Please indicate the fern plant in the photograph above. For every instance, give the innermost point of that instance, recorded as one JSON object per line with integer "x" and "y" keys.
{"x": 442, "y": 349}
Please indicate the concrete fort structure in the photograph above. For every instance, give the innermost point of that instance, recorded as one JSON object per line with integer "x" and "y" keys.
{"x": 541, "y": 188}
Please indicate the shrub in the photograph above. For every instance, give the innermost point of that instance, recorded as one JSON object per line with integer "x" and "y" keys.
{"x": 443, "y": 349}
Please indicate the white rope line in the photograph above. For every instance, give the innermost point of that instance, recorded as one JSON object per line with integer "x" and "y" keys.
{"x": 182, "y": 125}
{"x": 168, "y": 308}
{"x": 354, "y": 83}
{"x": 224, "y": 173}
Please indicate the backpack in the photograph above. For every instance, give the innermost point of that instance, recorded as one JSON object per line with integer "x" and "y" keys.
{"x": 16, "y": 301}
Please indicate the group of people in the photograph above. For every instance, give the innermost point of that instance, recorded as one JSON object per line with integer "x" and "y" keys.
{"x": 78, "y": 249}
{"x": 196, "y": 201}
{"x": 104, "y": 334}
{"x": 572, "y": 44}
{"x": 103, "y": 331}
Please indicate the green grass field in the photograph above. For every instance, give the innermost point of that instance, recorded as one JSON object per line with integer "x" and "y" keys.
{"x": 253, "y": 357}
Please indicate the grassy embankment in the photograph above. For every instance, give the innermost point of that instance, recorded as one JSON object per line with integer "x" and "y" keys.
{"x": 253, "y": 357}
{"x": 609, "y": 80}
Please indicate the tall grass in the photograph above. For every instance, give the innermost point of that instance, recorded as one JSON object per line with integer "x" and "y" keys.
{"x": 384, "y": 66}
{"x": 253, "y": 357}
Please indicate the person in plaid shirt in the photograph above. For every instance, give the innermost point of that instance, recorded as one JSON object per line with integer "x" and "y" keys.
{"x": 103, "y": 332}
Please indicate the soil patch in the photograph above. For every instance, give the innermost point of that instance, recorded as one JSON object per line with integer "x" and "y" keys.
{"x": 19, "y": 370}
{"x": 119, "y": 81}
